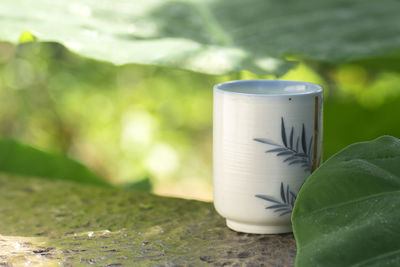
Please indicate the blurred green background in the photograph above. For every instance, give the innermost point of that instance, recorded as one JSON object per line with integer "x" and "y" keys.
{"x": 149, "y": 127}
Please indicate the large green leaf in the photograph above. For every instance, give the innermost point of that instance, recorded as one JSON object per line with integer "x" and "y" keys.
{"x": 16, "y": 158}
{"x": 210, "y": 36}
{"x": 347, "y": 213}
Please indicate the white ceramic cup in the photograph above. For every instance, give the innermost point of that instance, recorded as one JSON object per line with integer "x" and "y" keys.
{"x": 267, "y": 139}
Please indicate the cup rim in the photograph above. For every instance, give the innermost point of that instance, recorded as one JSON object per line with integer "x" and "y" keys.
{"x": 309, "y": 88}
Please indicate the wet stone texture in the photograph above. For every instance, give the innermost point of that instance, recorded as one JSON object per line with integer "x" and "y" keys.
{"x": 57, "y": 223}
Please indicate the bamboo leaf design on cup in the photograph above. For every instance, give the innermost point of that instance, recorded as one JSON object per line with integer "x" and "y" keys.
{"x": 283, "y": 206}
{"x": 290, "y": 149}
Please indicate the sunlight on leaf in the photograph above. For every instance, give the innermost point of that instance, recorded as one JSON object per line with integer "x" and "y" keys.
{"x": 214, "y": 37}
{"x": 26, "y": 37}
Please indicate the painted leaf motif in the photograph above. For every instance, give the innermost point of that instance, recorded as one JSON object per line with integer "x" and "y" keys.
{"x": 291, "y": 138}
{"x": 265, "y": 141}
{"x": 287, "y": 194}
{"x": 285, "y": 213}
{"x": 285, "y": 205}
{"x": 303, "y": 140}
{"x": 281, "y": 149}
{"x": 347, "y": 211}
{"x": 293, "y": 156}
{"x": 214, "y": 37}
{"x": 283, "y": 194}
{"x": 267, "y": 198}
{"x": 290, "y": 158}
{"x": 281, "y": 209}
{"x": 283, "y": 132}
{"x": 298, "y": 161}
{"x": 285, "y": 153}
{"x": 276, "y": 206}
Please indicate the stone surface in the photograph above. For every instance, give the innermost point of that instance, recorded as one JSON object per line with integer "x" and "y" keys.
{"x": 66, "y": 224}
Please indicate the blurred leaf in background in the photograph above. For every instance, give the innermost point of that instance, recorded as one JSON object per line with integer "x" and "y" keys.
{"x": 23, "y": 160}
{"x": 152, "y": 122}
{"x": 126, "y": 123}
{"x": 215, "y": 37}
{"x": 144, "y": 185}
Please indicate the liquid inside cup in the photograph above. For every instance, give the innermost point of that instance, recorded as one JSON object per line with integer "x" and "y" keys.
{"x": 269, "y": 87}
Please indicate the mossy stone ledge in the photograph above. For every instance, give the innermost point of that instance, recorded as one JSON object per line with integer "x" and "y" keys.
{"x": 67, "y": 224}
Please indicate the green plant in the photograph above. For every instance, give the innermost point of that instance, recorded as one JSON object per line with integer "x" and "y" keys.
{"x": 150, "y": 116}
{"x": 212, "y": 37}
{"x": 346, "y": 213}
{"x": 20, "y": 159}
{"x": 43, "y": 85}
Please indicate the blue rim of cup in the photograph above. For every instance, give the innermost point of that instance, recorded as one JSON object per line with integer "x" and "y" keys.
{"x": 310, "y": 89}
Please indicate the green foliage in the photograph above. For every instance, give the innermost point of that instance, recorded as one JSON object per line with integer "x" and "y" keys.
{"x": 153, "y": 119}
{"x": 211, "y": 36}
{"x": 17, "y": 158}
{"x": 346, "y": 213}
{"x": 133, "y": 121}
{"x": 125, "y": 122}
{"x": 347, "y": 122}
{"x": 26, "y": 37}
{"x": 143, "y": 185}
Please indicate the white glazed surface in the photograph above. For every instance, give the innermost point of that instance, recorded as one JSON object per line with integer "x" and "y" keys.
{"x": 241, "y": 167}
